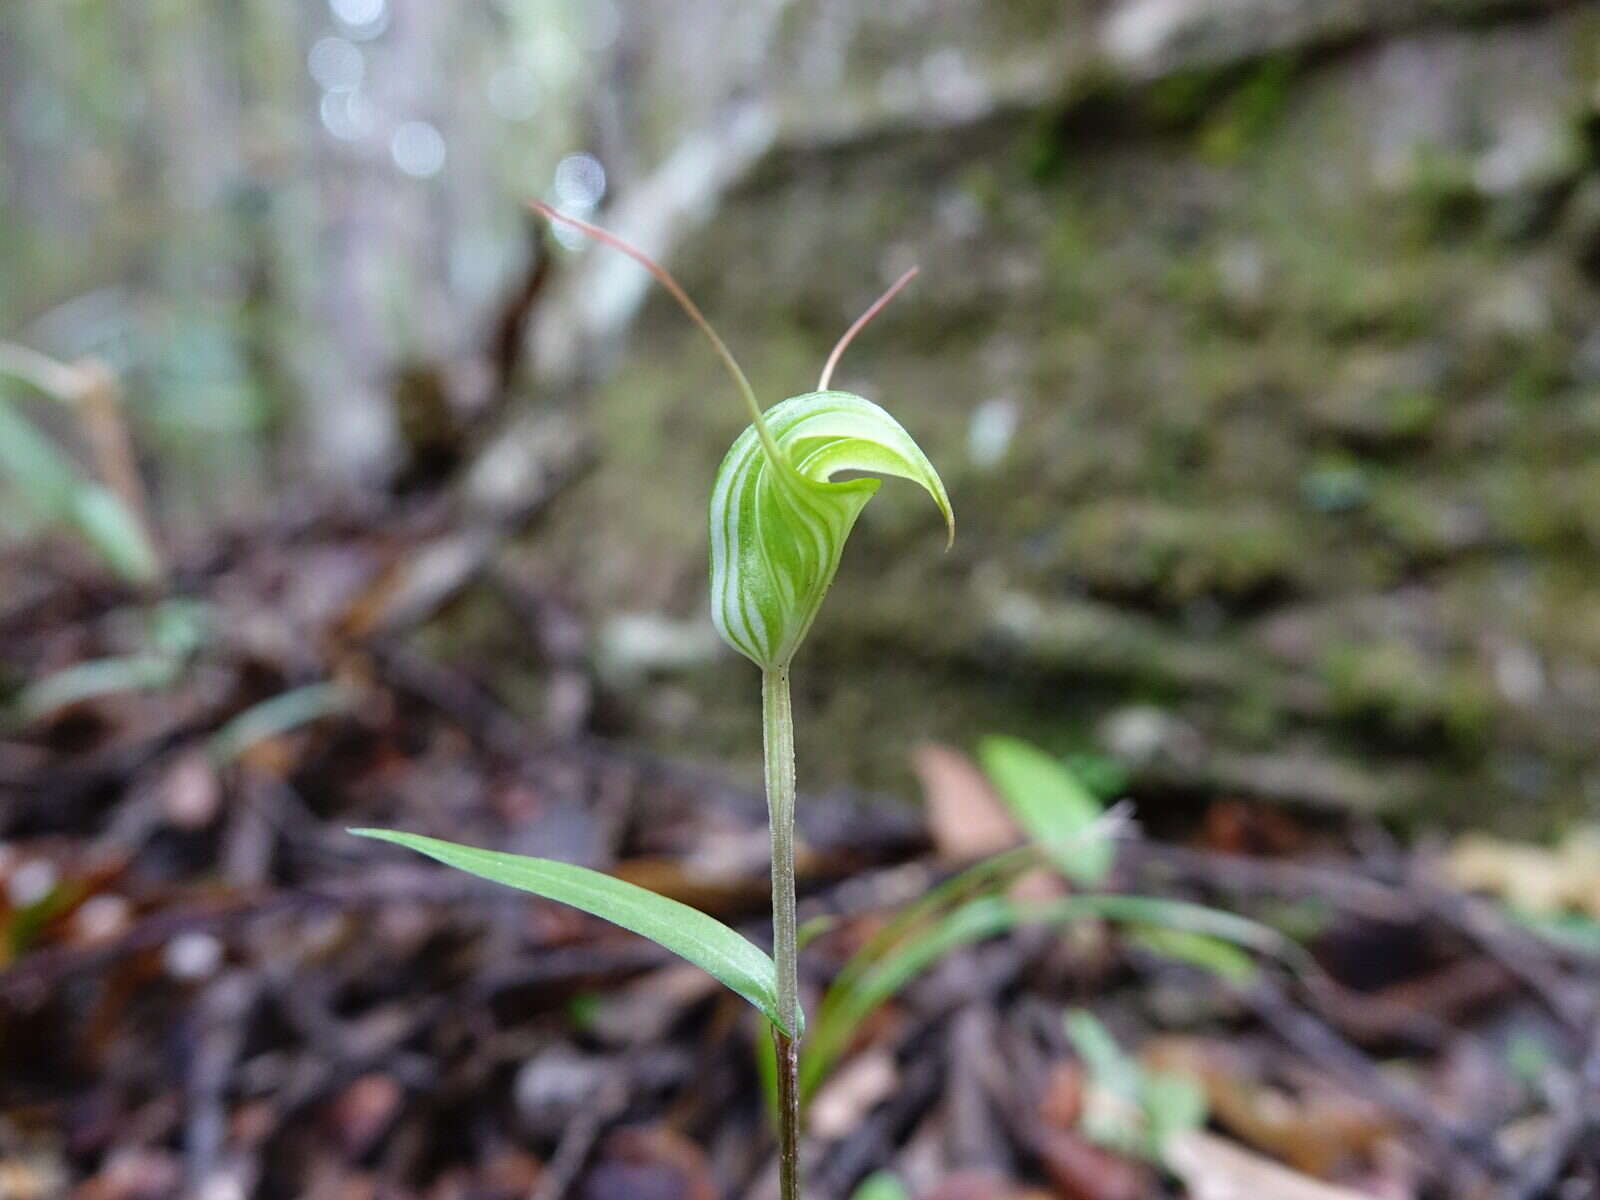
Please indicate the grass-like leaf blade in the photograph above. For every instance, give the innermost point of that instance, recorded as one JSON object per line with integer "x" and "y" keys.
{"x": 1051, "y": 805}
{"x": 845, "y": 1007}
{"x": 53, "y": 486}
{"x": 703, "y": 940}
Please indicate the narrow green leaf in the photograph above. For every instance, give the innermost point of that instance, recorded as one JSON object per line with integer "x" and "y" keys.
{"x": 1129, "y": 1108}
{"x": 1109, "y": 1068}
{"x": 779, "y": 527}
{"x": 1174, "y": 914}
{"x": 687, "y": 932}
{"x": 44, "y": 477}
{"x": 175, "y": 630}
{"x": 987, "y": 876}
{"x": 1051, "y": 805}
{"x": 110, "y": 527}
{"x": 98, "y": 677}
{"x": 845, "y": 1009}
{"x": 869, "y": 985}
{"x": 1575, "y": 931}
{"x": 1223, "y": 959}
{"x": 880, "y": 1185}
{"x": 53, "y": 486}
{"x": 275, "y": 716}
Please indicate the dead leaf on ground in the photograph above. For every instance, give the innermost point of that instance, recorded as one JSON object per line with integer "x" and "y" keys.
{"x": 689, "y": 885}
{"x": 1213, "y": 1168}
{"x": 852, "y": 1092}
{"x": 1314, "y": 1131}
{"x": 649, "y": 1164}
{"x": 1062, "y": 1101}
{"x": 1538, "y": 879}
{"x": 965, "y": 817}
{"x": 133, "y": 1174}
{"x": 1080, "y": 1170}
{"x": 644, "y": 1011}
{"x": 982, "y": 1185}
{"x": 362, "y": 1112}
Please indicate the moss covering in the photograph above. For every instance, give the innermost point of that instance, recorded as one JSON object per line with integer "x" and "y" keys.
{"x": 1272, "y": 374}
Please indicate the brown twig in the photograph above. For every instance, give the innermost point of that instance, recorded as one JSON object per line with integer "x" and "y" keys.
{"x": 1411, "y": 898}
{"x": 1451, "y": 1146}
{"x": 1576, "y": 1117}
{"x": 578, "y": 1140}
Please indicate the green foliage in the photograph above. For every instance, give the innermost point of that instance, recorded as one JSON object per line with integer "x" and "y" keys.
{"x": 276, "y": 716}
{"x": 1180, "y": 99}
{"x": 1250, "y": 111}
{"x": 98, "y": 677}
{"x": 1071, "y": 834}
{"x": 1444, "y": 201}
{"x": 1394, "y": 687}
{"x": 1053, "y": 808}
{"x": 844, "y": 1008}
{"x": 1576, "y": 932}
{"x": 1529, "y": 1059}
{"x": 57, "y": 491}
{"x": 22, "y": 927}
{"x": 175, "y": 630}
{"x": 582, "y": 1010}
{"x": 1336, "y": 483}
{"x": 880, "y": 1185}
{"x": 1221, "y": 958}
{"x": 1104, "y": 777}
{"x": 687, "y": 932}
{"x": 869, "y": 984}
{"x": 1129, "y": 1109}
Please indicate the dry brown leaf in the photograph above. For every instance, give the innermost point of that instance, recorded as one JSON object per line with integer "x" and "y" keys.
{"x": 510, "y": 1173}
{"x": 1213, "y": 1168}
{"x": 41, "y": 1177}
{"x": 852, "y": 1092}
{"x": 644, "y": 1011}
{"x": 1080, "y": 1170}
{"x": 965, "y": 817}
{"x": 980, "y": 1184}
{"x": 654, "y": 1161}
{"x": 361, "y": 1113}
{"x": 1062, "y": 1102}
{"x": 689, "y": 885}
{"x": 128, "y": 1174}
{"x": 1314, "y": 1130}
{"x": 1538, "y": 879}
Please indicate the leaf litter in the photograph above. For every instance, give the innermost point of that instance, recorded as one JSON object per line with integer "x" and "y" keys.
{"x": 206, "y": 988}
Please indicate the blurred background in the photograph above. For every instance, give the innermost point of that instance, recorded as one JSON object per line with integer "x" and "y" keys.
{"x": 1257, "y": 342}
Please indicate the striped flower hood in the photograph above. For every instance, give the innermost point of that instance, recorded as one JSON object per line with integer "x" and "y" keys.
{"x": 779, "y": 522}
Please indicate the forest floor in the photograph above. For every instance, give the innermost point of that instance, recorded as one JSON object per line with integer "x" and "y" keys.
{"x": 207, "y": 988}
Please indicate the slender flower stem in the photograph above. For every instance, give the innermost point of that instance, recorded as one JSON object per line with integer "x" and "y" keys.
{"x": 777, "y": 736}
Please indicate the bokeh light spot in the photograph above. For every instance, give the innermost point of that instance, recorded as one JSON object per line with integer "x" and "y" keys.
{"x": 580, "y": 182}
{"x": 418, "y": 149}
{"x": 337, "y": 64}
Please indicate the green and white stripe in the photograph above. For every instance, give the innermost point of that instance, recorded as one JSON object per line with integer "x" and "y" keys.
{"x": 779, "y": 525}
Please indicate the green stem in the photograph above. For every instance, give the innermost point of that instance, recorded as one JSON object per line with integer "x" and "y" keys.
{"x": 777, "y": 738}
